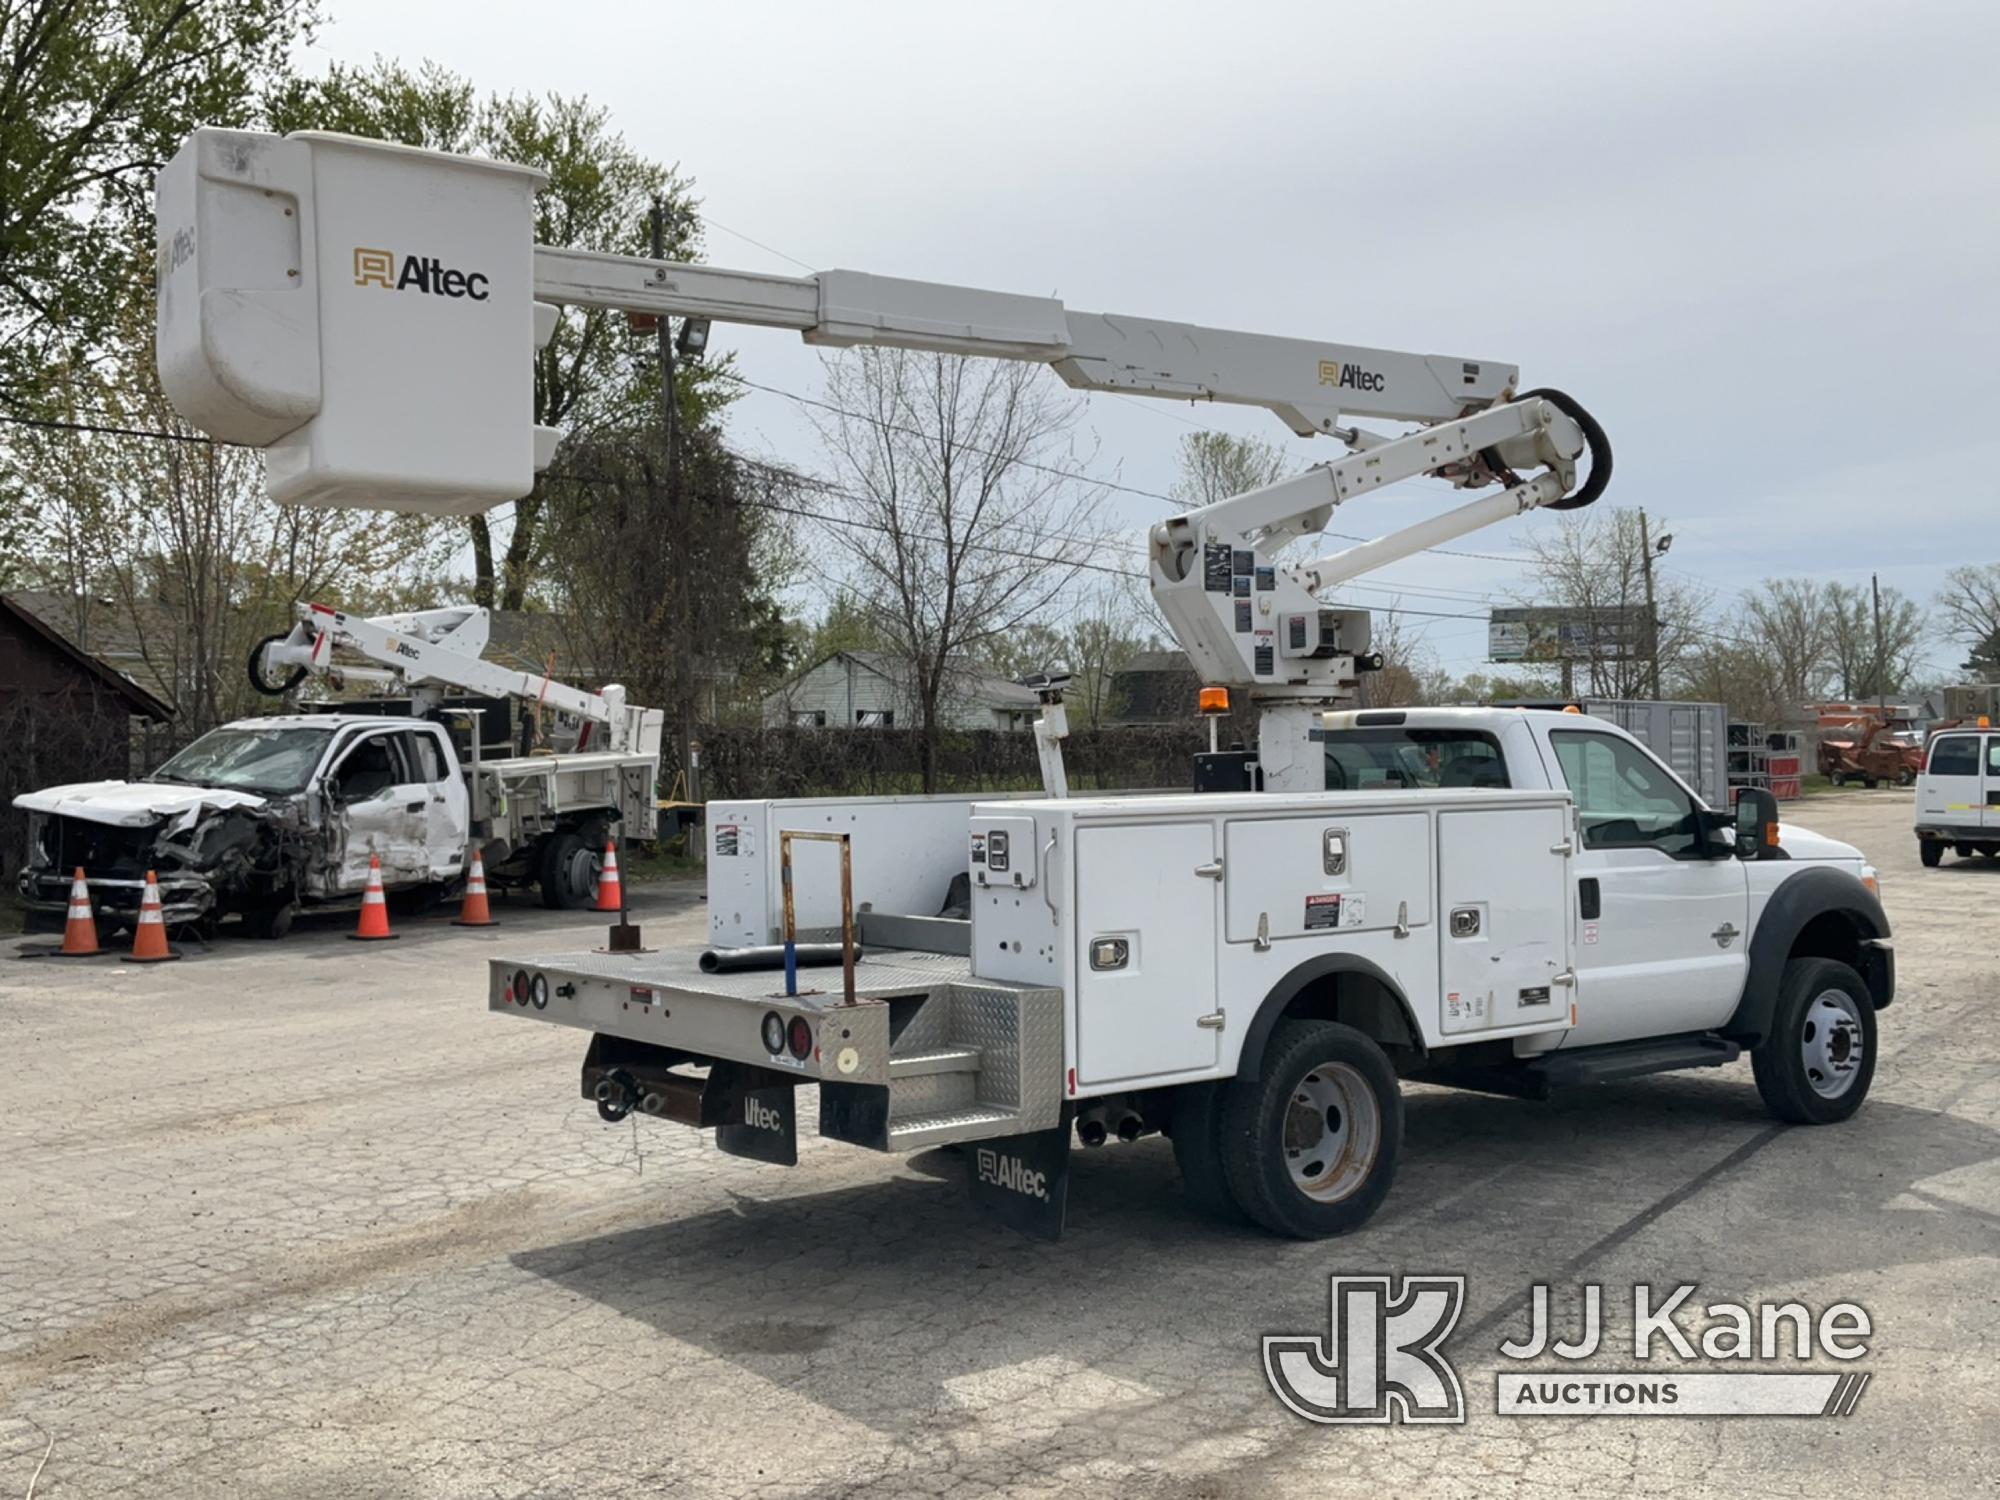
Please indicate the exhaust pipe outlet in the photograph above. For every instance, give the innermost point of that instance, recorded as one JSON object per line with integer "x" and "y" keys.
{"x": 1091, "y": 1128}
{"x": 1131, "y": 1125}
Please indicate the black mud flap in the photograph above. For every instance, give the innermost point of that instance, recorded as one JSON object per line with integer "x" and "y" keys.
{"x": 765, "y": 1126}
{"x": 1023, "y": 1180}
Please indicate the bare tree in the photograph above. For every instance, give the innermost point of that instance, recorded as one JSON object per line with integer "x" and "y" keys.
{"x": 1409, "y": 668}
{"x": 961, "y": 520}
{"x": 165, "y": 540}
{"x": 1593, "y": 563}
{"x": 1970, "y": 607}
{"x": 1864, "y": 667}
{"x": 1789, "y": 620}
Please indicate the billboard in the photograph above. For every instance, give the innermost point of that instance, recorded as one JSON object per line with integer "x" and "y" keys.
{"x": 1554, "y": 633}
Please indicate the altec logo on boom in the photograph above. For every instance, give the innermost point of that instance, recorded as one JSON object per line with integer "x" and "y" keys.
{"x": 1350, "y": 377}
{"x": 423, "y": 273}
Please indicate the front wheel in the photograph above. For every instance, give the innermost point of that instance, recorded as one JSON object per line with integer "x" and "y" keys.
{"x": 1815, "y": 1065}
{"x": 1838, "y": 778}
{"x": 1310, "y": 1146}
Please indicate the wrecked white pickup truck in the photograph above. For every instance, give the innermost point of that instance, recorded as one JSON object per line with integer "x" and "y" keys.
{"x": 264, "y": 816}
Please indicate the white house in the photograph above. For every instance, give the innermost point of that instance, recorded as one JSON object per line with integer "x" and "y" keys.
{"x": 873, "y": 689}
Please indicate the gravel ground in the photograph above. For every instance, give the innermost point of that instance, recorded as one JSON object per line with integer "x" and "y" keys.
{"x": 304, "y": 1219}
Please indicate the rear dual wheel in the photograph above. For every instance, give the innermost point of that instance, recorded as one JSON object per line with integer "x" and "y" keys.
{"x": 1309, "y": 1147}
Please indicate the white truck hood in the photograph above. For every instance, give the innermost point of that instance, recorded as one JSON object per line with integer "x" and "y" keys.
{"x": 1803, "y": 843}
{"x": 133, "y": 804}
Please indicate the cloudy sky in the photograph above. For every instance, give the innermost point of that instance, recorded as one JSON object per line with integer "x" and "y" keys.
{"x": 1760, "y": 240}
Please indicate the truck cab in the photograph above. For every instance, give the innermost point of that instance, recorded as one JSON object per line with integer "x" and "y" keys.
{"x": 1663, "y": 908}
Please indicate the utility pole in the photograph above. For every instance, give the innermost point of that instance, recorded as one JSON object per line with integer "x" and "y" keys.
{"x": 1652, "y": 615}
{"x": 1881, "y": 688}
{"x": 681, "y": 585}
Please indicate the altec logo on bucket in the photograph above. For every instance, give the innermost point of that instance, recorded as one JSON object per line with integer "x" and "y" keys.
{"x": 420, "y": 273}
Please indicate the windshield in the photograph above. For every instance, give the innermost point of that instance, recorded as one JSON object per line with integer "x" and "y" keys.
{"x": 276, "y": 761}
{"x": 1371, "y": 759}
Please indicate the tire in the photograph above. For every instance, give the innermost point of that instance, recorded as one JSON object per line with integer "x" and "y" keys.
{"x": 1838, "y": 778}
{"x": 416, "y": 900}
{"x": 1815, "y": 1066}
{"x": 269, "y": 923}
{"x": 1963, "y": 851}
{"x": 1930, "y": 851}
{"x": 1268, "y": 1156}
{"x": 1196, "y": 1131}
{"x": 568, "y": 875}
{"x": 1906, "y": 777}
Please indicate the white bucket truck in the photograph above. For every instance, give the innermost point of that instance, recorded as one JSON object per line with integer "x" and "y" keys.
{"x": 1499, "y": 900}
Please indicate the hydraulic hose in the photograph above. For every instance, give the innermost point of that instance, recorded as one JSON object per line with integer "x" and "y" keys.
{"x": 1594, "y": 440}
{"x": 256, "y": 666}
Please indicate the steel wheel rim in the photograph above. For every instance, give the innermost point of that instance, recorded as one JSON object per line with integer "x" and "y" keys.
{"x": 585, "y": 865}
{"x": 1831, "y": 1045}
{"x": 1332, "y": 1132}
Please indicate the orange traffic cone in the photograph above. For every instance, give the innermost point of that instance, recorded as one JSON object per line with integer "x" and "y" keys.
{"x": 610, "y": 889}
{"x": 475, "y": 912}
{"x": 149, "y": 939}
{"x": 374, "y": 926}
{"x": 80, "y": 931}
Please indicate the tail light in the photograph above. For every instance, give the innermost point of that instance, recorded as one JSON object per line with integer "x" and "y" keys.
{"x": 520, "y": 987}
{"x": 774, "y": 1032}
{"x": 801, "y": 1038}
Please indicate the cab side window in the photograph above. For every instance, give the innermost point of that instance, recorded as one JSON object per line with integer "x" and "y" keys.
{"x": 1955, "y": 755}
{"x": 425, "y": 755}
{"x": 1993, "y": 756}
{"x": 371, "y": 767}
{"x": 1624, "y": 798}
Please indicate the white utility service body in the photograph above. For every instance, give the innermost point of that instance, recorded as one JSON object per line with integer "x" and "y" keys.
{"x": 1571, "y": 914}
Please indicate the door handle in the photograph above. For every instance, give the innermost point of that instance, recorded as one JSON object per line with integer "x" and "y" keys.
{"x": 1210, "y": 871}
{"x": 1589, "y": 900}
{"x": 413, "y": 807}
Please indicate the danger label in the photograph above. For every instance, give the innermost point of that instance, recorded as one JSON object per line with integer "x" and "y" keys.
{"x": 1322, "y": 911}
{"x": 726, "y": 840}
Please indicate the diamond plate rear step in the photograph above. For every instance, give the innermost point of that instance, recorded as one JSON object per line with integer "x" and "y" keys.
{"x": 934, "y": 1060}
{"x": 921, "y": 1132}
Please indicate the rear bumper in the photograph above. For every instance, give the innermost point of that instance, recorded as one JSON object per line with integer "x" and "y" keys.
{"x": 1953, "y": 833}
{"x": 183, "y": 898}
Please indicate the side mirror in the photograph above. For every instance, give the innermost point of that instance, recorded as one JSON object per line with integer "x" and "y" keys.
{"x": 1756, "y": 822}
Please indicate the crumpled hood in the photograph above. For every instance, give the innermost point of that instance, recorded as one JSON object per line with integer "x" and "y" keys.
{"x": 1803, "y": 843}
{"x": 133, "y": 804}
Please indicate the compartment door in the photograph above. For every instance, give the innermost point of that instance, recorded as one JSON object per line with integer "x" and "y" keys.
{"x": 1140, "y": 1018}
{"x": 1503, "y": 919}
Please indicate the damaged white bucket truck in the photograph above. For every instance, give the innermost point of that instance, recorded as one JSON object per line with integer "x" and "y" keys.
{"x": 1505, "y": 901}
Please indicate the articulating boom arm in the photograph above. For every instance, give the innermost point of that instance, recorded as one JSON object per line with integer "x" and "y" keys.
{"x": 422, "y": 654}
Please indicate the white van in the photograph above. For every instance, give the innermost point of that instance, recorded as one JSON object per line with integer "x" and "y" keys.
{"x": 1958, "y": 795}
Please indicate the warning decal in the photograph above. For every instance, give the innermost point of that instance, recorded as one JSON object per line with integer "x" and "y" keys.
{"x": 1322, "y": 911}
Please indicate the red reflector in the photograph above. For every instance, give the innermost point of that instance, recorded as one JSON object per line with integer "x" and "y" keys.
{"x": 801, "y": 1038}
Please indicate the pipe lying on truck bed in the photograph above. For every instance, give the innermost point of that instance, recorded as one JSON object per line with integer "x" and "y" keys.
{"x": 770, "y": 956}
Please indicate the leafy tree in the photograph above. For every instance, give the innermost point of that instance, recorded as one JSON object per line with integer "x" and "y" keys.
{"x": 96, "y": 96}
{"x": 1789, "y": 620}
{"x": 589, "y": 379}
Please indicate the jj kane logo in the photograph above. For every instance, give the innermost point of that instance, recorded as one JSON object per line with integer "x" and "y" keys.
{"x": 417, "y": 273}
{"x": 1351, "y": 377}
{"x": 1381, "y": 1358}
{"x": 1379, "y": 1361}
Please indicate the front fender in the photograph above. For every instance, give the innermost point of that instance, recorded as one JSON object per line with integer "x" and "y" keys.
{"x": 1846, "y": 921}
